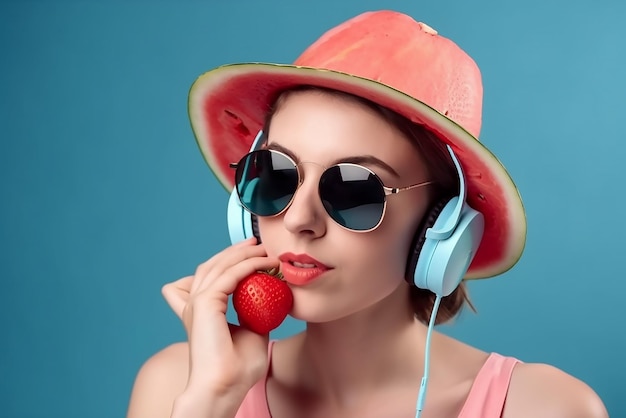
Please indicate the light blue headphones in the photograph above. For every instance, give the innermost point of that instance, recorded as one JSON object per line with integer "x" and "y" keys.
{"x": 450, "y": 239}
{"x": 443, "y": 249}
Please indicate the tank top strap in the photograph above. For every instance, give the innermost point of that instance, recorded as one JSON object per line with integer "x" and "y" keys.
{"x": 488, "y": 393}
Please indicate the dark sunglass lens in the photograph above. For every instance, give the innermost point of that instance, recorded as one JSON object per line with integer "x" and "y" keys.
{"x": 352, "y": 196}
{"x": 266, "y": 181}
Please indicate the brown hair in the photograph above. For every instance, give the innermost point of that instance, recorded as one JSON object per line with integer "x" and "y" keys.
{"x": 442, "y": 171}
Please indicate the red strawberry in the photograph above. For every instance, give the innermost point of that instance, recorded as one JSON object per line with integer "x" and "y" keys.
{"x": 262, "y": 302}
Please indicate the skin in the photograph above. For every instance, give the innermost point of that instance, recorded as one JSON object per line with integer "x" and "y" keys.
{"x": 362, "y": 351}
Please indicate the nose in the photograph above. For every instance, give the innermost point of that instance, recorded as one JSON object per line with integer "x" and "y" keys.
{"x": 306, "y": 214}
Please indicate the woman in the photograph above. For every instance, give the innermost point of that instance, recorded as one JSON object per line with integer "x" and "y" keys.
{"x": 380, "y": 97}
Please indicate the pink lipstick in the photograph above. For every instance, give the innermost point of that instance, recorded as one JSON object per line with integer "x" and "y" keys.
{"x": 300, "y": 269}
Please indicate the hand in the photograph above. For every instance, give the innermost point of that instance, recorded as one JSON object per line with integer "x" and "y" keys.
{"x": 224, "y": 358}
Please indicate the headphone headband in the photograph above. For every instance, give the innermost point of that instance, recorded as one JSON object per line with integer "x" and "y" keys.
{"x": 445, "y": 230}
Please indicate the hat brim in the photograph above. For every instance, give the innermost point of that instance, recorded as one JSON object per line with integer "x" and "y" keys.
{"x": 227, "y": 106}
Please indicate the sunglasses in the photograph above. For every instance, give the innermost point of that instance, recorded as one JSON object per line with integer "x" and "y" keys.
{"x": 352, "y": 195}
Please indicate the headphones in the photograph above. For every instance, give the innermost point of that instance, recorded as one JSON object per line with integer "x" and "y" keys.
{"x": 442, "y": 248}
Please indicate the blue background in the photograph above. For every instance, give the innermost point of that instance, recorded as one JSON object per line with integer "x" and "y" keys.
{"x": 105, "y": 197}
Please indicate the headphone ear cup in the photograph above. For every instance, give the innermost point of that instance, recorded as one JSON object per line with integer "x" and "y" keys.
{"x": 420, "y": 237}
{"x": 241, "y": 223}
{"x": 442, "y": 263}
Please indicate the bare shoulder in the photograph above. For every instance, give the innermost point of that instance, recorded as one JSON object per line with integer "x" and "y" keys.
{"x": 540, "y": 390}
{"x": 159, "y": 381}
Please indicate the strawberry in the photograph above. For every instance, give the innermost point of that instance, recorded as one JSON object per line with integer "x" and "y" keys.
{"x": 262, "y": 302}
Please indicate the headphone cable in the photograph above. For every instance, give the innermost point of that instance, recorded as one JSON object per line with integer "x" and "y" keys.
{"x": 421, "y": 398}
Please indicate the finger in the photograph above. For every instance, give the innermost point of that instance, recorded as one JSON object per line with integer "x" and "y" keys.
{"x": 212, "y": 301}
{"x": 212, "y": 297}
{"x": 245, "y": 338}
{"x": 203, "y": 269}
{"x": 176, "y": 294}
{"x": 224, "y": 282}
{"x": 249, "y": 345}
{"x": 223, "y": 262}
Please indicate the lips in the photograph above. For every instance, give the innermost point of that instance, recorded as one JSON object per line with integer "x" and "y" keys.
{"x": 300, "y": 269}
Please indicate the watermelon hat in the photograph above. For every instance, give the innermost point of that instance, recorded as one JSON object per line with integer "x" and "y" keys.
{"x": 388, "y": 58}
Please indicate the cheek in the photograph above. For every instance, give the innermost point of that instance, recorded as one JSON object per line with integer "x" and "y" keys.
{"x": 270, "y": 230}
{"x": 385, "y": 251}
{"x": 398, "y": 237}
{"x": 395, "y": 250}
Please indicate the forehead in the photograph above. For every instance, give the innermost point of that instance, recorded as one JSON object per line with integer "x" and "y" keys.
{"x": 323, "y": 127}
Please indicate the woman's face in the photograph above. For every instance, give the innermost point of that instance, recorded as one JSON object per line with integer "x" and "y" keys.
{"x": 364, "y": 269}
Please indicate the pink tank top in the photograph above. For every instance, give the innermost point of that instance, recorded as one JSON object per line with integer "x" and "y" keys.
{"x": 485, "y": 400}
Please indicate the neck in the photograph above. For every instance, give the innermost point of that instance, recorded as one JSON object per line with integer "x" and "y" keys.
{"x": 384, "y": 344}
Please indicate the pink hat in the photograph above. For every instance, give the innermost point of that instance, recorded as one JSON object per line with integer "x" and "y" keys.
{"x": 388, "y": 58}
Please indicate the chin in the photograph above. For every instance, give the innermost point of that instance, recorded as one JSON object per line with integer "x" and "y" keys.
{"x": 316, "y": 313}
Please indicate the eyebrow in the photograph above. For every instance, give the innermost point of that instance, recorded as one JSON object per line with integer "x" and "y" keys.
{"x": 354, "y": 159}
